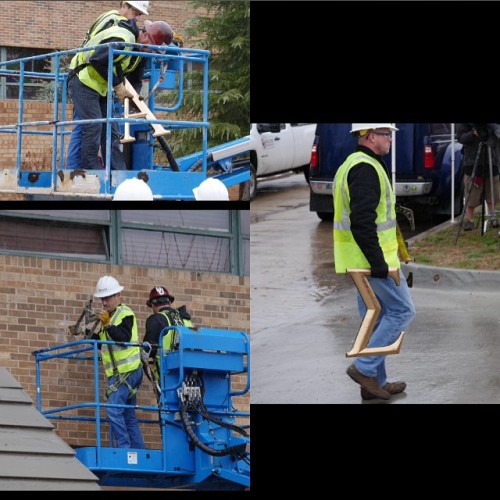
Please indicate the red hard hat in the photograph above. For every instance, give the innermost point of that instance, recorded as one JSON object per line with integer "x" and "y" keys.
{"x": 159, "y": 295}
{"x": 159, "y": 31}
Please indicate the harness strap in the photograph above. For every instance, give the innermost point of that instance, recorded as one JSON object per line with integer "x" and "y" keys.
{"x": 75, "y": 71}
{"x": 121, "y": 379}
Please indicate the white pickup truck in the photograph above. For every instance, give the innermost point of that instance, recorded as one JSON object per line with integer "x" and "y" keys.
{"x": 277, "y": 148}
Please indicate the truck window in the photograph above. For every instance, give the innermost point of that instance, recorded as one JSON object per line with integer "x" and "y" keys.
{"x": 270, "y": 127}
{"x": 440, "y": 128}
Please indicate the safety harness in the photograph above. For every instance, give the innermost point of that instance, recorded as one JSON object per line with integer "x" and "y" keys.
{"x": 121, "y": 378}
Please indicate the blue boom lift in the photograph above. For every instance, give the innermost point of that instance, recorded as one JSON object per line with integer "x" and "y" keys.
{"x": 144, "y": 133}
{"x": 202, "y": 447}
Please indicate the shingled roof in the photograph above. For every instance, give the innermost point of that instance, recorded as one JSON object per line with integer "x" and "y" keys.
{"x": 32, "y": 455}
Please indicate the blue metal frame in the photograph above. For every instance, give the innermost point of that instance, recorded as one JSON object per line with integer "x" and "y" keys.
{"x": 215, "y": 355}
{"x": 231, "y": 168}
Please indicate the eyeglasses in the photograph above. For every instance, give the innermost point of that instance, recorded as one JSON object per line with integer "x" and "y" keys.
{"x": 106, "y": 299}
{"x": 386, "y": 134}
{"x": 136, "y": 12}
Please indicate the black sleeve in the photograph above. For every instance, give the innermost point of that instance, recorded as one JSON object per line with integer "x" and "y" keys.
{"x": 95, "y": 336}
{"x": 135, "y": 77}
{"x": 465, "y": 134}
{"x": 184, "y": 313}
{"x": 122, "y": 332}
{"x": 154, "y": 325}
{"x": 100, "y": 60}
{"x": 364, "y": 188}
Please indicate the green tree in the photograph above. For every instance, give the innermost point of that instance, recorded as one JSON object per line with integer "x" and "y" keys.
{"x": 225, "y": 31}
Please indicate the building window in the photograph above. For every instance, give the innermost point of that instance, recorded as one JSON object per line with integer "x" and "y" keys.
{"x": 197, "y": 240}
{"x": 34, "y": 88}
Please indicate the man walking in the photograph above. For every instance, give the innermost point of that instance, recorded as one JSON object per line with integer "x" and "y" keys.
{"x": 364, "y": 234}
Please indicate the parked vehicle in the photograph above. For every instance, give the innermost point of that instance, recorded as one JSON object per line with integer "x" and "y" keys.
{"x": 277, "y": 148}
{"x": 423, "y": 166}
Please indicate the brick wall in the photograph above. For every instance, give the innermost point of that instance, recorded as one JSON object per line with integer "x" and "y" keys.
{"x": 57, "y": 25}
{"x": 36, "y": 149}
{"x": 40, "y": 298}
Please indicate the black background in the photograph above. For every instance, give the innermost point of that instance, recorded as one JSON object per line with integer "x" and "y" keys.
{"x": 372, "y": 61}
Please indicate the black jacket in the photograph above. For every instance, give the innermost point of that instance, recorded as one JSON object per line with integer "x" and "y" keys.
{"x": 470, "y": 149}
{"x": 364, "y": 188}
{"x": 99, "y": 59}
{"x": 157, "y": 322}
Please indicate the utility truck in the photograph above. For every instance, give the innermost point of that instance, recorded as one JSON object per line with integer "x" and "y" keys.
{"x": 425, "y": 157}
{"x": 278, "y": 148}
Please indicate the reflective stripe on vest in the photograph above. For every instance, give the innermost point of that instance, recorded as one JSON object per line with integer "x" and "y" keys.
{"x": 347, "y": 253}
{"x": 169, "y": 337}
{"x": 88, "y": 75}
{"x": 104, "y": 21}
{"x": 127, "y": 359}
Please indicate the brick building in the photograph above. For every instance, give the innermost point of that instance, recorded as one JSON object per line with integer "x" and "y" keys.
{"x": 56, "y": 25}
{"x": 43, "y": 290}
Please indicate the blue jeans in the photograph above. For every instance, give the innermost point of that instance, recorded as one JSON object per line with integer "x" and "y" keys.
{"x": 85, "y": 139}
{"x": 75, "y": 146}
{"x": 397, "y": 312}
{"x": 123, "y": 422}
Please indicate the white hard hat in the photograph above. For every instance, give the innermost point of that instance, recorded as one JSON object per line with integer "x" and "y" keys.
{"x": 133, "y": 189}
{"x": 356, "y": 127}
{"x": 140, "y": 6}
{"x": 106, "y": 286}
{"x": 211, "y": 189}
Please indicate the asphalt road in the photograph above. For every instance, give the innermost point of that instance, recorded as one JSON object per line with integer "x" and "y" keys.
{"x": 304, "y": 317}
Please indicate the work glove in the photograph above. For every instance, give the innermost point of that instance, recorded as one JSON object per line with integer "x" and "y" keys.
{"x": 146, "y": 350}
{"x": 104, "y": 317}
{"x": 122, "y": 93}
{"x": 380, "y": 271}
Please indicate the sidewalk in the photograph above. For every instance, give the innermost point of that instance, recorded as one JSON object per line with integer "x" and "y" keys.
{"x": 450, "y": 353}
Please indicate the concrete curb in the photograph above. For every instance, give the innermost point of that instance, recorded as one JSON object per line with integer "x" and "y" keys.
{"x": 451, "y": 278}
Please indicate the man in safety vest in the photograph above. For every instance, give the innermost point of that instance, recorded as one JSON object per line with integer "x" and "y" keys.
{"x": 163, "y": 315}
{"x": 88, "y": 83}
{"x": 122, "y": 363}
{"x": 364, "y": 237}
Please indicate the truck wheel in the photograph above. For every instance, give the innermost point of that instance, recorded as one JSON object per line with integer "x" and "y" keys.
{"x": 253, "y": 182}
{"x": 325, "y": 216}
{"x": 306, "y": 173}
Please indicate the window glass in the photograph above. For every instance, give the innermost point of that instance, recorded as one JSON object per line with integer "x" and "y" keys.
{"x": 245, "y": 222}
{"x": 246, "y": 256}
{"x": 176, "y": 251}
{"x": 201, "y": 219}
{"x": 52, "y": 237}
{"x": 101, "y": 215}
{"x": 34, "y": 88}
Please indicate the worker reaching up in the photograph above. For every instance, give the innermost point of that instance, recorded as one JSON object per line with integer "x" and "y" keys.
{"x": 122, "y": 364}
{"x": 88, "y": 81}
{"x": 127, "y": 11}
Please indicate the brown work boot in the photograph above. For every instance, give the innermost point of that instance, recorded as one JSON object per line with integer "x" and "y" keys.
{"x": 370, "y": 384}
{"x": 391, "y": 387}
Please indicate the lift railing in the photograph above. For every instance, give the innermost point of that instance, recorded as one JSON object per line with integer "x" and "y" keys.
{"x": 54, "y": 179}
{"x": 200, "y": 438}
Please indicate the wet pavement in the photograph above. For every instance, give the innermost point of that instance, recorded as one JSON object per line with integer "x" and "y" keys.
{"x": 304, "y": 318}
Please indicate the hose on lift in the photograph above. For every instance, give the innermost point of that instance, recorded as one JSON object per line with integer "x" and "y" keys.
{"x": 192, "y": 401}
